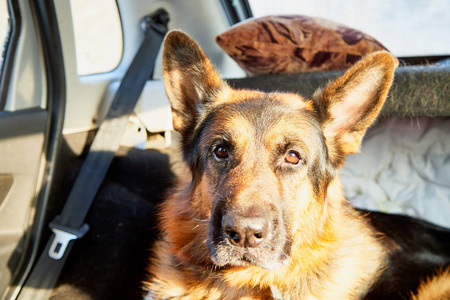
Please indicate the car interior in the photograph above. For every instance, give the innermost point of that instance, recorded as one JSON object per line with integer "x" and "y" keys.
{"x": 62, "y": 68}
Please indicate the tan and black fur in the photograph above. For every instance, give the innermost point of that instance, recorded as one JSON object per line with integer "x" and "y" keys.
{"x": 260, "y": 212}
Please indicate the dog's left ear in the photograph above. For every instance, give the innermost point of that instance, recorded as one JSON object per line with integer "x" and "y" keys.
{"x": 349, "y": 105}
{"x": 190, "y": 79}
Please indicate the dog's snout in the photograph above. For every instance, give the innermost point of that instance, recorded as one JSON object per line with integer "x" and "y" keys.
{"x": 246, "y": 230}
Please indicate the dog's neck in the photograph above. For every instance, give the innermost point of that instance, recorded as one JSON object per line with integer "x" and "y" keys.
{"x": 349, "y": 239}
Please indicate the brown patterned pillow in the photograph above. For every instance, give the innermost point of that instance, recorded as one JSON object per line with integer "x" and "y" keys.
{"x": 295, "y": 43}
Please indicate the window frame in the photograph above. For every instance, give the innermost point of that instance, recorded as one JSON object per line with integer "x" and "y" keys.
{"x": 236, "y": 10}
{"x": 11, "y": 41}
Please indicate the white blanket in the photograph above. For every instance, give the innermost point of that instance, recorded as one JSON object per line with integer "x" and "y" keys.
{"x": 403, "y": 167}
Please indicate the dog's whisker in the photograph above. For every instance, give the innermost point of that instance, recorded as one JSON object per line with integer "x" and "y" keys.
{"x": 201, "y": 220}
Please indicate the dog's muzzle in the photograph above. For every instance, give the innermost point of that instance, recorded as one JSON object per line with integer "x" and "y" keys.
{"x": 247, "y": 236}
{"x": 248, "y": 230}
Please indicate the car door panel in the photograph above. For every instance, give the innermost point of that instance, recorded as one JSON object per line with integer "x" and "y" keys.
{"x": 21, "y": 144}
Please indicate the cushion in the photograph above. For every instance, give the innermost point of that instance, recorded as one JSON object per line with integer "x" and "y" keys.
{"x": 295, "y": 43}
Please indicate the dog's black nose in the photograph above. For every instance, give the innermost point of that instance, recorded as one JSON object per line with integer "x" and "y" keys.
{"x": 246, "y": 230}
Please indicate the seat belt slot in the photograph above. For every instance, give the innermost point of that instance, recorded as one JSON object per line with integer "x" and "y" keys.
{"x": 59, "y": 243}
{"x": 62, "y": 237}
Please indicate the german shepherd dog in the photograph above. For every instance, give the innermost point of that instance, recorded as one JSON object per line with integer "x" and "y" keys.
{"x": 261, "y": 214}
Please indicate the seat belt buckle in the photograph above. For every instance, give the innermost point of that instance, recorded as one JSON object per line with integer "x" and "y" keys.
{"x": 62, "y": 237}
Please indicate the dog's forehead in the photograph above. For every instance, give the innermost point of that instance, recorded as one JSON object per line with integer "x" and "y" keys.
{"x": 229, "y": 95}
{"x": 269, "y": 117}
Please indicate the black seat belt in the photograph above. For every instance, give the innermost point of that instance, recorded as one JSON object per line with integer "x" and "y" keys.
{"x": 69, "y": 225}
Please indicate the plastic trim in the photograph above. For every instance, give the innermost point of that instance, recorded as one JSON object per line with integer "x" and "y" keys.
{"x": 8, "y": 63}
{"x": 236, "y": 10}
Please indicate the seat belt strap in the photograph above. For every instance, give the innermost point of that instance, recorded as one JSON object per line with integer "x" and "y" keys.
{"x": 69, "y": 225}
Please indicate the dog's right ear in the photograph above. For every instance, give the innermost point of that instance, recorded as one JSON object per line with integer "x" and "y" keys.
{"x": 190, "y": 79}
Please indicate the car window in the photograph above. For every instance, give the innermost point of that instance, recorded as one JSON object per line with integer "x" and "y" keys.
{"x": 98, "y": 35}
{"x": 406, "y": 27}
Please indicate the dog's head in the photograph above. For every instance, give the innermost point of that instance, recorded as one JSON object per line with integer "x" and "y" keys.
{"x": 261, "y": 163}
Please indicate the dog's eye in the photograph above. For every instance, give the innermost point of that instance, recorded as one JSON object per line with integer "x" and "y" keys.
{"x": 292, "y": 157}
{"x": 221, "y": 152}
